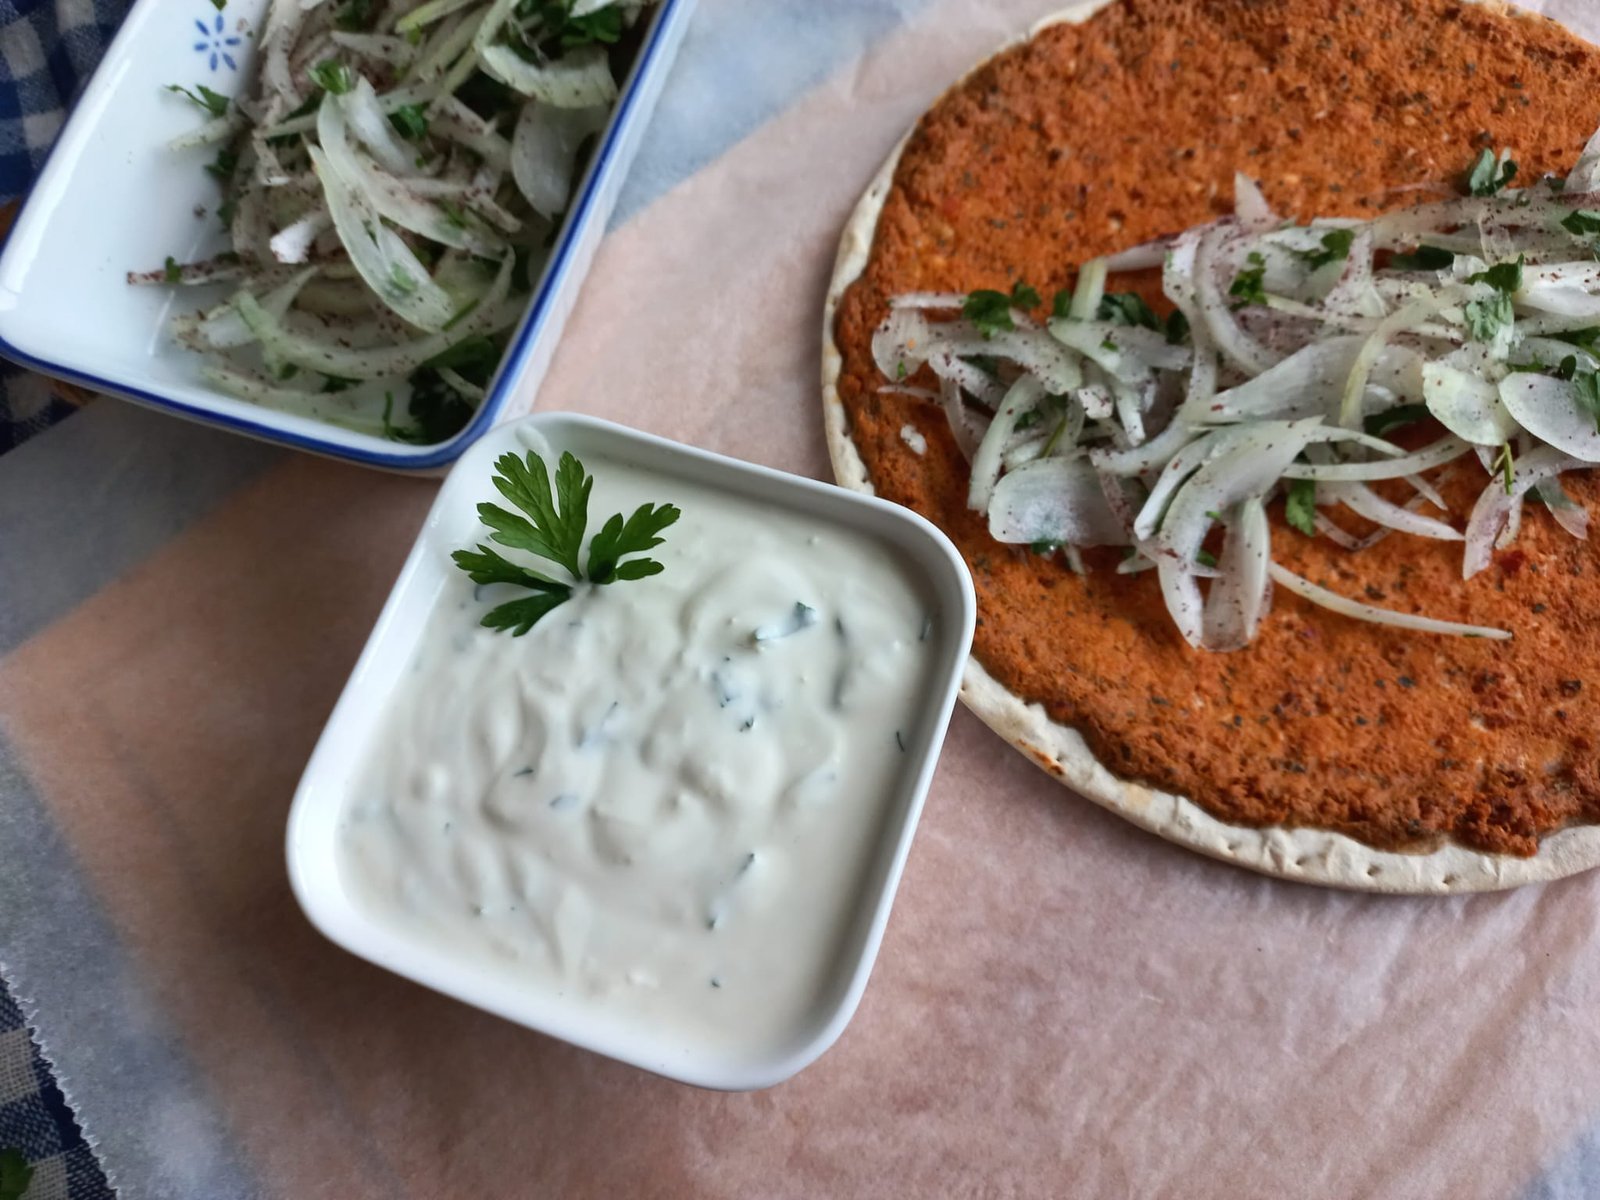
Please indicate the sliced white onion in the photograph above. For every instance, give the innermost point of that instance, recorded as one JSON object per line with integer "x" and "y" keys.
{"x": 963, "y": 426}
{"x": 1434, "y": 455}
{"x": 1564, "y": 510}
{"x": 1053, "y": 500}
{"x": 1238, "y": 598}
{"x": 1216, "y": 308}
{"x": 1089, "y": 290}
{"x": 1347, "y": 607}
{"x": 1129, "y": 352}
{"x": 370, "y": 123}
{"x": 579, "y": 79}
{"x": 1139, "y": 258}
{"x": 335, "y": 358}
{"x": 544, "y": 151}
{"x": 974, "y": 380}
{"x": 1250, "y": 206}
{"x": 1023, "y": 397}
{"x": 1495, "y": 503}
{"x": 1151, "y": 456}
{"x": 1548, "y": 408}
{"x": 949, "y": 300}
{"x": 1466, "y": 404}
{"x": 1363, "y": 501}
{"x": 900, "y": 344}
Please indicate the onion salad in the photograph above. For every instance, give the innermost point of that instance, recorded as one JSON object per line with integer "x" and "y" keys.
{"x": 390, "y": 188}
{"x": 1291, "y": 356}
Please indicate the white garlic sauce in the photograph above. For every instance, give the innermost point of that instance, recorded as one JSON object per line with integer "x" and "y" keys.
{"x": 663, "y": 801}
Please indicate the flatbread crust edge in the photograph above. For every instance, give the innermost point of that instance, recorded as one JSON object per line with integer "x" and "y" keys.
{"x": 1305, "y": 855}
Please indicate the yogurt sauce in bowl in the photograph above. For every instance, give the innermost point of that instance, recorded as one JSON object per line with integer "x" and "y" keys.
{"x": 667, "y": 821}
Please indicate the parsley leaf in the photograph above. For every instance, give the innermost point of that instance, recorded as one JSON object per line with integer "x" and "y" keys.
{"x": 1247, "y": 285}
{"x": 1177, "y": 328}
{"x": 1380, "y": 423}
{"x": 603, "y": 25}
{"x": 173, "y": 271}
{"x": 333, "y": 77}
{"x": 1488, "y": 174}
{"x": 555, "y": 522}
{"x": 1586, "y": 385}
{"x": 990, "y": 310}
{"x": 1300, "y": 508}
{"x": 1424, "y": 258}
{"x": 410, "y": 122}
{"x": 552, "y": 527}
{"x": 214, "y": 103}
{"x": 1127, "y": 308}
{"x": 223, "y": 166}
{"x": 1487, "y": 317}
{"x": 1585, "y": 339}
{"x": 1335, "y": 248}
{"x": 1205, "y": 558}
{"x": 355, "y": 15}
{"x": 1582, "y": 222}
{"x": 1503, "y": 277}
{"x": 1504, "y": 465}
{"x": 15, "y": 1175}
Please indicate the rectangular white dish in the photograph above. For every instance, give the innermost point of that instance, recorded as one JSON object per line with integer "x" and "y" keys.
{"x": 334, "y": 772}
{"x": 114, "y": 198}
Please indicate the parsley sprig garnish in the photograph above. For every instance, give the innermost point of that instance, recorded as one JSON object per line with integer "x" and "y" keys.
{"x": 552, "y": 526}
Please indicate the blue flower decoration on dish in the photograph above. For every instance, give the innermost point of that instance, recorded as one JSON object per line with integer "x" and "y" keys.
{"x": 217, "y": 43}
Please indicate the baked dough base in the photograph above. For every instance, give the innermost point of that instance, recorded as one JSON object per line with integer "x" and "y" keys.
{"x": 1306, "y": 855}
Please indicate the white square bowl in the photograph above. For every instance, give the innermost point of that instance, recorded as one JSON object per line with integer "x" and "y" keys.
{"x": 114, "y": 198}
{"x": 383, "y": 668}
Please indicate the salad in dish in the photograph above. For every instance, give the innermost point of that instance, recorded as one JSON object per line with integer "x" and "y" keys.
{"x": 1340, "y": 365}
{"x": 389, "y": 190}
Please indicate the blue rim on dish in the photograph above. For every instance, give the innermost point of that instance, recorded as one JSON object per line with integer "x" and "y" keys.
{"x": 661, "y": 35}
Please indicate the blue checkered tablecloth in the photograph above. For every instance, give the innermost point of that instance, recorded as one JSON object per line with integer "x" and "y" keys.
{"x": 36, "y": 1123}
{"x": 48, "y": 49}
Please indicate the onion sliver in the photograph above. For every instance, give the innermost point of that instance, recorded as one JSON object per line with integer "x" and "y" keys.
{"x": 333, "y": 358}
{"x": 1347, "y": 607}
{"x": 1023, "y": 397}
{"x": 1466, "y": 404}
{"x": 544, "y": 151}
{"x": 579, "y": 79}
{"x": 1053, "y": 500}
{"x": 1363, "y": 501}
{"x": 1435, "y": 455}
{"x": 1151, "y": 456}
{"x": 1238, "y": 597}
{"x": 1549, "y": 409}
{"x": 1495, "y": 503}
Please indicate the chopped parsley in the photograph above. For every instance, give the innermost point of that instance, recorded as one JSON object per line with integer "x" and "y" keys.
{"x": 1205, "y": 558}
{"x": 1177, "y": 328}
{"x": 1488, "y": 174}
{"x": 1336, "y": 245}
{"x": 173, "y": 272}
{"x": 1585, "y": 339}
{"x": 1503, "y": 277}
{"x": 1586, "y": 390}
{"x": 1248, "y": 284}
{"x": 214, "y": 103}
{"x": 333, "y": 77}
{"x": 1582, "y": 222}
{"x": 1300, "y": 507}
{"x": 355, "y": 15}
{"x": 410, "y": 121}
{"x": 551, "y": 526}
{"x": 15, "y": 1175}
{"x": 1489, "y": 316}
{"x": 223, "y": 166}
{"x": 1380, "y": 423}
{"x": 1423, "y": 258}
{"x": 1045, "y": 547}
{"x": 1126, "y": 308}
{"x": 990, "y": 310}
{"x": 558, "y": 25}
{"x": 1504, "y": 465}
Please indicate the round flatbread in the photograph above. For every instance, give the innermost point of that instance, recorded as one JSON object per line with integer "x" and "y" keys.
{"x": 916, "y": 468}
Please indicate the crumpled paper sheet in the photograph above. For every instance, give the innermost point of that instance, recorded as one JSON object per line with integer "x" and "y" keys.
{"x": 1063, "y": 1005}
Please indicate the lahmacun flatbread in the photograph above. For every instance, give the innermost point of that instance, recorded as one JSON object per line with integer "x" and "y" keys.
{"x": 1330, "y": 751}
